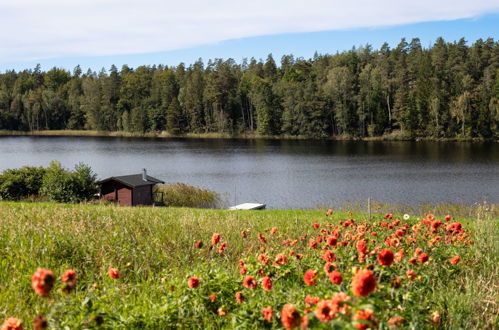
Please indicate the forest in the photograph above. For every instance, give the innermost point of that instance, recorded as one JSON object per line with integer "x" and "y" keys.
{"x": 449, "y": 90}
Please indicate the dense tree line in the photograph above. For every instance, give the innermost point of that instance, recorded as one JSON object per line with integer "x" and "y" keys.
{"x": 449, "y": 90}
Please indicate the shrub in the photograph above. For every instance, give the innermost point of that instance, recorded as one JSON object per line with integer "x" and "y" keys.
{"x": 16, "y": 184}
{"x": 63, "y": 186}
{"x": 184, "y": 195}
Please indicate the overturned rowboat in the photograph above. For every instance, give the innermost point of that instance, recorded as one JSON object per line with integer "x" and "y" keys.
{"x": 248, "y": 206}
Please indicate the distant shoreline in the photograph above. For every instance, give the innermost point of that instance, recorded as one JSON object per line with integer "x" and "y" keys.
{"x": 247, "y": 136}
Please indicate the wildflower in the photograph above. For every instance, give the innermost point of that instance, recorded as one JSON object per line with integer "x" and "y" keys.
{"x": 363, "y": 283}
{"x": 193, "y": 282}
{"x": 243, "y": 270}
{"x": 221, "y": 311}
{"x": 222, "y": 247}
{"x": 435, "y": 317}
{"x": 406, "y": 216}
{"x": 361, "y": 246}
{"x": 239, "y": 297}
{"x": 335, "y": 277}
{"x": 312, "y": 243}
{"x": 447, "y": 218}
{"x": 365, "y": 315}
{"x": 329, "y": 212}
{"x": 40, "y": 322}
{"x": 331, "y": 241}
{"x": 290, "y": 317}
{"x": 12, "y": 323}
{"x": 311, "y": 300}
{"x": 262, "y": 238}
{"x": 410, "y": 275}
{"x": 430, "y": 217}
{"x": 215, "y": 238}
{"x": 113, "y": 273}
{"x": 281, "y": 259}
{"x": 42, "y": 281}
{"x": 199, "y": 244}
{"x": 244, "y": 233}
{"x": 454, "y": 260}
{"x": 273, "y": 230}
{"x": 267, "y": 314}
{"x": 69, "y": 280}
{"x": 423, "y": 257}
{"x": 325, "y": 310}
{"x": 249, "y": 282}
{"x": 339, "y": 299}
{"x": 329, "y": 267}
{"x": 385, "y": 257}
{"x": 213, "y": 296}
{"x": 310, "y": 277}
{"x": 328, "y": 256}
{"x": 267, "y": 283}
{"x": 395, "y": 321}
{"x": 263, "y": 259}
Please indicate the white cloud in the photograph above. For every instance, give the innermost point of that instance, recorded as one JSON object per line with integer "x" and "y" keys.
{"x": 38, "y": 29}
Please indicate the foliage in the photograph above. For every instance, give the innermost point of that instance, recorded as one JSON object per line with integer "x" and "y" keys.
{"x": 63, "y": 186}
{"x": 184, "y": 195}
{"x": 155, "y": 253}
{"x": 449, "y": 90}
{"x": 16, "y": 184}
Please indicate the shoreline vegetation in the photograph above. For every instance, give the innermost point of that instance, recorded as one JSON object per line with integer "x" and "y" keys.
{"x": 152, "y": 267}
{"x": 394, "y": 136}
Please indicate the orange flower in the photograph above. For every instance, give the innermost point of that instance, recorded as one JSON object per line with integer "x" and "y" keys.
{"x": 113, "y": 273}
{"x": 273, "y": 230}
{"x": 199, "y": 244}
{"x": 335, "y": 277}
{"x": 447, "y": 218}
{"x": 42, "y": 281}
{"x": 316, "y": 225}
{"x": 239, "y": 297}
{"x": 267, "y": 314}
{"x": 312, "y": 243}
{"x": 290, "y": 317}
{"x": 310, "y": 277}
{"x": 40, "y": 322}
{"x": 325, "y": 310}
{"x": 410, "y": 275}
{"x": 222, "y": 247}
{"x": 435, "y": 317}
{"x": 193, "y": 282}
{"x": 329, "y": 212}
{"x": 329, "y": 267}
{"x": 249, "y": 282}
{"x": 12, "y": 323}
{"x": 423, "y": 257}
{"x": 69, "y": 280}
{"x": 385, "y": 257}
{"x": 361, "y": 246}
{"x": 215, "y": 238}
{"x": 331, "y": 241}
{"x": 311, "y": 300}
{"x": 281, "y": 259}
{"x": 363, "y": 283}
{"x": 365, "y": 315}
{"x": 328, "y": 256}
{"x": 213, "y": 296}
{"x": 267, "y": 283}
{"x": 263, "y": 259}
{"x": 454, "y": 260}
{"x": 395, "y": 321}
{"x": 243, "y": 270}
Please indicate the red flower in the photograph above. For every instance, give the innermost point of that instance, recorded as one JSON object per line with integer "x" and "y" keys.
{"x": 199, "y": 244}
{"x": 331, "y": 241}
{"x": 113, "y": 273}
{"x": 262, "y": 238}
{"x": 267, "y": 283}
{"x": 273, "y": 230}
{"x": 454, "y": 260}
{"x": 361, "y": 246}
{"x": 385, "y": 257}
{"x": 40, "y": 322}
{"x": 410, "y": 275}
{"x": 267, "y": 314}
{"x": 222, "y": 247}
{"x": 290, "y": 317}
{"x": 213, "y": 296}
{"x": 447, "y": 218}
{"x": 363, "y": 283}
{"x": 12, "y": 323}
{"x": 243, "y": 270}
{"x": 396, "y": 320}
{"x": 42, "y": 281}
{"x": 329, "y": 212}
{"x": 328, "y": 256}
{"x": 311, "y": 300}
{"x": 325, "y": 310}
{"x": 335, "y": 277}
{"x": 423, "y": 257}
{"x": 249, "y": 282}
{"x": 69, "y": 280}
{"x": 193, "y": 282}
{"x": 310, "y": 277}
{"x": 239, "y": 297}
{"x": 281, "y": 259}
{"x": 312, "y": 243}
{"x": 365, "y": 315}
{"x": 215, "y": 238}
{"x": 263, "y": 259}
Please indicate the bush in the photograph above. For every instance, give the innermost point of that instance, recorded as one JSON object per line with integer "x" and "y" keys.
{"x": 17, "y": 184}
{"x": 184, "y": 195}
{"x": 63, "y": 186}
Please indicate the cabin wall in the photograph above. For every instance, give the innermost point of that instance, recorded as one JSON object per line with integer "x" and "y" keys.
{"x": 142, "y": 195}
{"x": 113, "y": 190}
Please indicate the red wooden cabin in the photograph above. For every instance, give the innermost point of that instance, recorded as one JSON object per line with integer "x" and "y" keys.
{"x": 129, "y": 190}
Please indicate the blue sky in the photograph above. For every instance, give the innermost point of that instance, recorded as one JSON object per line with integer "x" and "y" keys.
{"x": 96, "y": 39}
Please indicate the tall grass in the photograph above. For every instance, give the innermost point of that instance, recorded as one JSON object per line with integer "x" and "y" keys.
{"x": 184, "y": 195}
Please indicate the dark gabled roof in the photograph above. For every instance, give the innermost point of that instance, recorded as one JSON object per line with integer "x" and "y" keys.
{"x": 132, "y": 181}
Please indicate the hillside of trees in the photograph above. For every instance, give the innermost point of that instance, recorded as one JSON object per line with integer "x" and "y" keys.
{"x": 450, "y": 90}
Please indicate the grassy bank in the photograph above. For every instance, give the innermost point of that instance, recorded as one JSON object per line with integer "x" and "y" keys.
{"x": 154, "y": 250}
{"x": 395, "y": 136}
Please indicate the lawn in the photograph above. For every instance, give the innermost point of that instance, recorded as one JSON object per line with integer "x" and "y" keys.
{"x": 287, "y": 263}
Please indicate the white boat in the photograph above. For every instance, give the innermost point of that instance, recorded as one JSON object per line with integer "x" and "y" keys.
{"x": 248, "y": 206}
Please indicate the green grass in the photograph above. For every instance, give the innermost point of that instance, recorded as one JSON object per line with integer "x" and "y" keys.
{"x": 184, "y": 195}
{"x": 154, "y": 250}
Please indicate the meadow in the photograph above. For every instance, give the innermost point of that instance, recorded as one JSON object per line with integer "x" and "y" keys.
{"x": 152, "y": 267}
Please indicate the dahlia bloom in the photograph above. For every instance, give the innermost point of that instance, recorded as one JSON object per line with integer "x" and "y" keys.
{"x": 363, "y": 283}
{"x": 290, "y": 317}
{"x": 42, "y": 281}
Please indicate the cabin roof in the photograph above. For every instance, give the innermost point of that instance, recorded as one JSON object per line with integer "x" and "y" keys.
{"x": 132, "y": 181}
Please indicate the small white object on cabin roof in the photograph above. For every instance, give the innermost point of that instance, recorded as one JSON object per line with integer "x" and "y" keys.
{"x": 248, "y": 206}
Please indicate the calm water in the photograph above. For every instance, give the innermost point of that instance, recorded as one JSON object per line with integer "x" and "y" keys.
{"x": 283, "y": 174}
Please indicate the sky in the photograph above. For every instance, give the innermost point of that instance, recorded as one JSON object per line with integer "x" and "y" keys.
{"x": 99, "y": 33}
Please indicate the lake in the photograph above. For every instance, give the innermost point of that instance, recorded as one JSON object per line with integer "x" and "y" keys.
{"x": 283, "y": 173}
